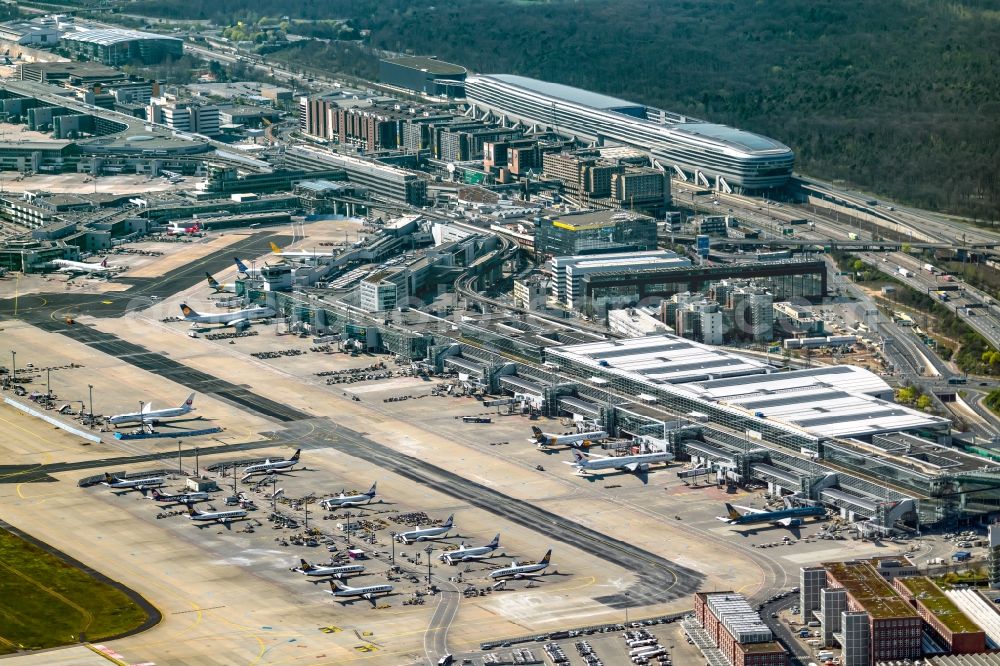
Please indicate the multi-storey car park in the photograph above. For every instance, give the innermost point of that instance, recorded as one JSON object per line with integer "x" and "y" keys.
{"x": 732, "y": 159}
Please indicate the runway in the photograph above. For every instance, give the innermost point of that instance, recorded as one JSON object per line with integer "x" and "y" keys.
{"x": 56, "y": 306}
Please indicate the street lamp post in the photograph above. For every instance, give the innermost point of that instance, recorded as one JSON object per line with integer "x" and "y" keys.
{"x": 48, "y": 383}
{"x": 429, "y": 550}
{"x": 348, "y": 528}
{"x": 626, "y": 610}
{"x": 392, "y": 541}
{"x": 13, "y": 367}
{"x": 90, "y": 389}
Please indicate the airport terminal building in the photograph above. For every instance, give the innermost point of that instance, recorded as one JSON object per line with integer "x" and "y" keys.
{"x": 710, "y": 154}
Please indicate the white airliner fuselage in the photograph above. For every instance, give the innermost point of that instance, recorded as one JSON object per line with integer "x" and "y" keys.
{"x": 147, "y": 415}
{"x": 238, "y": 318}
{"x": 369, "y": 592}
{"x": 636, "y": 463}
{"x": 464, "y": 553}
{"x": 115, "y": 483}
{"x": 273, "y": 465}
{"x": 343, "y": 500}
{"x": 342, "y": 571}
{"x": 422, "y": 533}
{"x": 516, "y": 570}
{"x": 217, "y": 516}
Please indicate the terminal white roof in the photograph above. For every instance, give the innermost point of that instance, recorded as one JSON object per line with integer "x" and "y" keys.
{"x": 109, "y": 36}
{"x": 827, "y": 401}
{"x": 838, "y": 377}
{"x": 661, "y": 359}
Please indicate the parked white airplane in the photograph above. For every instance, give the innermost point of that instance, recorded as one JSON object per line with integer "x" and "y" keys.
{"x": 422, "y": 533}
{"x": 299, "y": 254}
{"x": 464, "y": 553}
{"x": 147, "y": 415}
{"x": 238, "y": 319}
{"x": 177, "y": 229}
{"x": 580, "y": 440}
{"x": 369, "y": 592}
{"x": 334, "y": 572}
{"x": 636, "y": 463}
{"x": 80, "y": 267}
{"x": 217, "y": 516}
{"x": 181, "y": 498}
{"x": 516, "y": 570}
{"x": 273, "y": 465}
{"x": 349, "y": 500}
{"x": 219, "y": 287}
{"x": 132, "y": 484}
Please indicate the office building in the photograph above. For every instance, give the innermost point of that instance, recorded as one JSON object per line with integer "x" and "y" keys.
{"x": 708, "y": 153}
{"x": 710, "y": 225}
{"x": 833, "y": 604}
{"x": 594, "y": 232}
{"x": 569, "y": 272}
{"x": 812, "y": 580}
{"x": 855, "y": 639}
{"x": 531, "y": 293}
{"x": 384, "y": 290}
{"x": 381, "y": 180}
{"x": 737, "y": 630}
{"x": 753, "y": 313}
{"x": 119, "y": 46}
{"x": 515, "y": 157}
{"x": 185, "y": 116}
{"x": 639, "y": 188}
{"x": 424, "y": 75}
{"x": 894, "y": 626}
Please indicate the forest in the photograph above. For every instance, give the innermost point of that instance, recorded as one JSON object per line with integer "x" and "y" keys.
{"x": 900, "y": 97}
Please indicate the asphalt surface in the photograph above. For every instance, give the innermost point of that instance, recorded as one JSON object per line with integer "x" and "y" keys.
{"x": 659, "y": 580}
{"x": 35, "y": 473}
{"x": 57, "y": 306}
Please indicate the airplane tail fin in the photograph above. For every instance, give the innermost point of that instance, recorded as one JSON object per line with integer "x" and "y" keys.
{"x": 448, "y": 523}
{"x": 212, "y": 282}
{"x": 305, "y": 565}
{"x": 108, "y": 478}
{"x": 189, "y": 402}
{"x": 371, "y": 491}
{"x": 547, "y": 557}
{"x": 104, "y": 262}
{"x": 188, "y": 311}
{"x": 147, "y": 408}
{"x": 537, "y": 432}
{"x": 496, "y": 541}
{"x": 336, "y": 584}
{"x": 295, "y": 456}
{"x": 578, "y": 457}
{"x": 156, "y": 494}
{"x": 733, "y": 513}
{"x": 240, "y": 266}
{"x": 275, "y": 249}
{"x": 191, "y": 510}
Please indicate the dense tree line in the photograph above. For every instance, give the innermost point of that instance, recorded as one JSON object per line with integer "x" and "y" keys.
{"x": 901, "y": 97}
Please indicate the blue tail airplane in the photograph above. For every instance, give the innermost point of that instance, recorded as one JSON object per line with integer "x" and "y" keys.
{"x": 791, "y": 516}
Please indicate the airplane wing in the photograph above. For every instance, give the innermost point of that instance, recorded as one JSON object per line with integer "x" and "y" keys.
{"x": 370, "y": 598}
{"x": 632, "y": 467}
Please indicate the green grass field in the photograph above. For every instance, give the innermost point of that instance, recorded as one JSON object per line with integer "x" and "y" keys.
{"x": 45, "y": 602}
